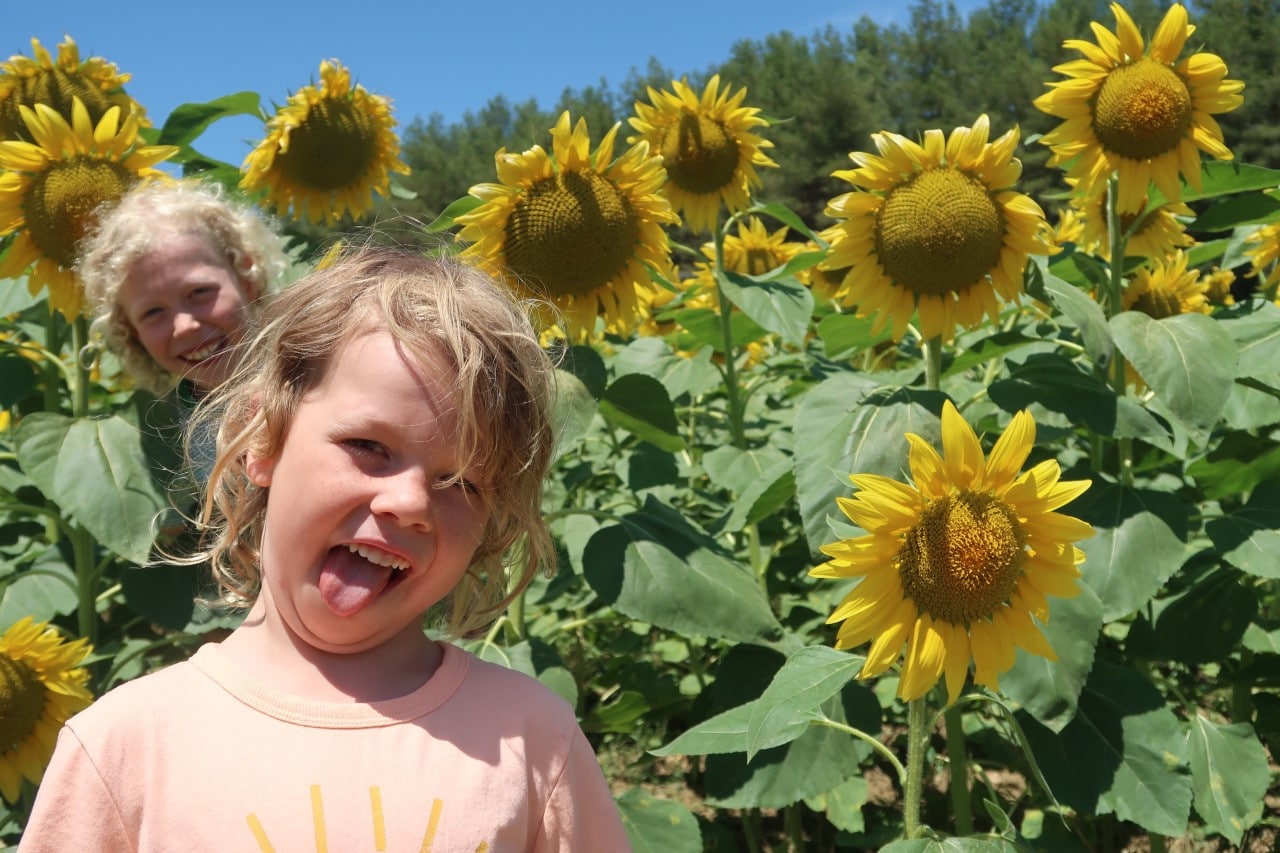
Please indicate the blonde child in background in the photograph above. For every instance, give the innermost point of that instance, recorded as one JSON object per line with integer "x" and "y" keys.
{"x": 172, "y": 272}
{"x": 382, "y": 454}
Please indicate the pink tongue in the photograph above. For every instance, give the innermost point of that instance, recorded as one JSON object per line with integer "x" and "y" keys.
{"x": 348, "y": 582}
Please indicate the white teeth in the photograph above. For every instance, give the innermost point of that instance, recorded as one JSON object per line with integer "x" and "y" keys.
{"x": 378, "y": 557}
{"x": 202, "y": 353}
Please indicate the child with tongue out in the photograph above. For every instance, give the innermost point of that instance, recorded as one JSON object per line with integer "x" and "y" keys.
{"x": 381, "y": 457}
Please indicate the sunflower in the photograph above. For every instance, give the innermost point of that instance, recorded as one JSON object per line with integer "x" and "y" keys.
{"x": 707, "y": 146}
{"x": 327, "y": 150}
{"x": 41, "y": 685}
{"x": 38, "y": 79}
{"x": 1263, "y": 248}
{"x": 50, "y": 188}
{"x": 1217, "y": 286}
{"x": 823, "y": 282}
{"x": 1159, "y": 232}
{"x": 1167, "y": 288}
{"x": 575, "y": 227}
{"x": 752, "y": 251}
{"x": 934, "y": 226}
{"x": 955, "y": 567}
{"x": 1069, "y": 228}
{"x": 1140, "y": 113}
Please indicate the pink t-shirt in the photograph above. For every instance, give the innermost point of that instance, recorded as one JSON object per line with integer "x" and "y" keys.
{"x": 200, "y": 756}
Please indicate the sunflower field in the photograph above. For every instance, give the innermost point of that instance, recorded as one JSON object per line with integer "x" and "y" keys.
{"x": 945, "y": 519}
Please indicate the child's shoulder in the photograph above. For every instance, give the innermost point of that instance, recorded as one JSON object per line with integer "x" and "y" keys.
{"x": 145, "y": 700}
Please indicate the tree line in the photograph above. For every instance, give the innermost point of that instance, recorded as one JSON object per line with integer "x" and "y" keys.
{"x": 829, "y": 90}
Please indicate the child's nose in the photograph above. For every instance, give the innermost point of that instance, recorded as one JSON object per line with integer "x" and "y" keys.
{"x": 184, "y": 322}
{"x": 405, "y": 496}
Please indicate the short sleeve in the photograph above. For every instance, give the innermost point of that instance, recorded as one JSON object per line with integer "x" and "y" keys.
{"x": 580, "y": 813}
{"x": 73, "y": 809}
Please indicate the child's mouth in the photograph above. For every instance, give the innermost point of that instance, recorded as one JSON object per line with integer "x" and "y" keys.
{"x": 205, "y": 352}
{"x": 354, "y": 575}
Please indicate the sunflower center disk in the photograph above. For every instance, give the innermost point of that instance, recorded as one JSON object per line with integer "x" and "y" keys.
{"x": 21, "y": 702}
{"x": 1143, "y": 110}
{"x": 55, "y": 88}
{"x": 700, "y": 156}
{"x": 760, "y": 261}
{"x": 964, "y": 557}
{"x": 62, "y": 199}
{"x": 332, "y": 148}
{"x": 939, "y": 233}
{"x": 571, "y": 233}
{"x": 1158, "y": 304}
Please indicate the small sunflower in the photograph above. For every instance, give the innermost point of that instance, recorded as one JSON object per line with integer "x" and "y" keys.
{"x": 41, "y": 686}
{"x": 955, "y": 566}
{"x": 935, "y": 227}
{"x": 1166, "y": 288}
{"x": 707, "y": 146}
{"x": 1069, "y": 228}
{"x": 1142, "y": 114}
{"x": 752, "y": 251}
{"x": 50, "y": 188}
{"x": 327, "y": 150}
{"x": 1217, "y": 286}
{"x": 1263, "y": 248}
{"x": 823, "y": 282}
{"x": 575, "y": 227}
{"x": 39, "y": 79}
{"x": 1159, "y": 231}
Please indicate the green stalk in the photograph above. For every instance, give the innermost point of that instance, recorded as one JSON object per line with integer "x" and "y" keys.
{"x": 794, "y": 818}
{"x": 82, "y": 542}
{"x": 913, "y": 784}
{"x": 753, "y": 831}
{"x": 959, "y": 770}
{"x": 1115, "y": 287}
{"x": 730, "y": 356}
{"x": 933, "y": 363}
{"x": 515, "y": 615}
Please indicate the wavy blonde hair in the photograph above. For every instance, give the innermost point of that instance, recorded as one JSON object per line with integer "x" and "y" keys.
{"x": 131, "y": 228}
{"x": 433, "y": 308}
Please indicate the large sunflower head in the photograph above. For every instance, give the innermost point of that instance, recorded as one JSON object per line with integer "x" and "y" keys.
{"x": 1166, "y": 288}
{"x": 955, "y": 565}
{"x": 41, "y": 686}
{"x": 935, "y": 227}
{"x": 40, "y": 79}
{"x": 707, "y": 146}
{"x": 1138, "y": 111}
{"x": 575, "y": 227}
{"x": 51, "y": 187}
{"x": 327, "y": 150}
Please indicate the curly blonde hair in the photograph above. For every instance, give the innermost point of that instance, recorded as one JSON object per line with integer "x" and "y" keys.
{"x": 503, "y": 384}
{"x": 129, "y": 230}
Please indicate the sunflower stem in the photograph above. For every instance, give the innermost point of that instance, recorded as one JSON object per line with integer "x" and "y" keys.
{"x": 959, "y": 769}
{"x": 884, "y": 751}
{"x": 933, "y": 363}
{"x": 82, "y": 542}
{"x": 794, "y": 818}
{"x": 753, "y": 831}
{"x": 913, "y": 783}
{"x": 1115, "y": 304}
{"x": 730, "y": 356}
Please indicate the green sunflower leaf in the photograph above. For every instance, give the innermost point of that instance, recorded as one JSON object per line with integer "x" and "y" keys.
{"x": 188, "y": 121}
{"x": 96, "y": 471}
{"x": 1240, "y": 462}
{"x": 641, "y": 405}
{"x": 810, "y": 677}
{"x": 656, "y": 825}
{"x": 1080, "y": 309}
{"x": 1256, "y": 331}
{"x": 1255, "y": 208}
{"x": 782, "y": 306}
{"x": 970, "y": 844}
{"x": 45, "y": 588}
{"x": 1189, "y": 360}
{"x": 1139, "y": 542}
{"x": 1249, "y": 537}
{"x": 850, "y": 425}
{"x": 847, "y": 335}
{"x": 693, "y": 375}
{"x": 1224, "y": 178}
{"x": 655, "y": 566}
{"x": 1124, "y": 753}
{"x": 1229, "y": 775}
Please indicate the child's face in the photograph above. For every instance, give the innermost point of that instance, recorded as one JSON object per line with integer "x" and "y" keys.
{"x": 361, "y": 536}
{"x": 187, "y": 308}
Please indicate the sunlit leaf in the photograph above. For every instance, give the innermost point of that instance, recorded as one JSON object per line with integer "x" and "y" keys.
{"x": 782, "y": 306}
{"x": 1229, "y": 775}
{"x": 657, "y": 825}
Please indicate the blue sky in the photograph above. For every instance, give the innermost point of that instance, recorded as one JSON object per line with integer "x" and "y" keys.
{"x": 427, "y": 56}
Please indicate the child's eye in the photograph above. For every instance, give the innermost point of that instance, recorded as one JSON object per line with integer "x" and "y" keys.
{"x": 365, "y": 446}
{"x": 467, "y": 486}
{"x": 150, "y": 314}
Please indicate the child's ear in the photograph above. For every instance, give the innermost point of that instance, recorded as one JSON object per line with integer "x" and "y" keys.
{"x": 260, "y": 469}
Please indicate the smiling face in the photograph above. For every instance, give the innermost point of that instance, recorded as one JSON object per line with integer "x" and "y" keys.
{"x": 187, "y": 308}
{"x": 364, "y": 531}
